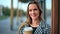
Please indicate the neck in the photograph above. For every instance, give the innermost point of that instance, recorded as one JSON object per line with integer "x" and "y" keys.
{"x": 35, "y": 22}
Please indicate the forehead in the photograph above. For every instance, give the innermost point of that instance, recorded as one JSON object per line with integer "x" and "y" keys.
{"x": 32, "y": 6}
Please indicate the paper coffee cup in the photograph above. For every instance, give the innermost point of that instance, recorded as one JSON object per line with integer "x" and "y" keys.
{"x": 28, "y": 30}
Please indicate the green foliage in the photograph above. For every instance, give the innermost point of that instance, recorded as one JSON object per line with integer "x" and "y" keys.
{"x": 6, "y": 11}
{"x": 3, "y": 17}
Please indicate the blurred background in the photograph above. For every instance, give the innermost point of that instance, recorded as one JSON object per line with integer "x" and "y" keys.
{"x": 13, "y": 13}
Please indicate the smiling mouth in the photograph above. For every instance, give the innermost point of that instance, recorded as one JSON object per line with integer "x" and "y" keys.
{"x": 33, "y": 15}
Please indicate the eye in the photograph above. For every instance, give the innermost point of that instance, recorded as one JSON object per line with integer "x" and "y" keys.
{"x": 35, "y": 9}
{"x": 30, "y": 10}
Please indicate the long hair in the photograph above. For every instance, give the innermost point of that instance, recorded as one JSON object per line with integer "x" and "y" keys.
{"x": 29, "y": 19}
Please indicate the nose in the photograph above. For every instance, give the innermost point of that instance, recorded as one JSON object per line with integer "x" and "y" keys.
{"x": 32, "y": 11}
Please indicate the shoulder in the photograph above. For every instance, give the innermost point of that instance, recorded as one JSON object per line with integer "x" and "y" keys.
{"x": 44, "y": 24}
{"x": 43, "y": 27}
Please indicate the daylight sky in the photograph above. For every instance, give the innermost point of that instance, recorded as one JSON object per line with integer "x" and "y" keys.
{"x": 7, "y": 3}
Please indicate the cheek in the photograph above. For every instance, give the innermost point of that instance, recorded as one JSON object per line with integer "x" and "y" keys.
{"x": 30, "y": 13}
{"x": 37, "y": 13}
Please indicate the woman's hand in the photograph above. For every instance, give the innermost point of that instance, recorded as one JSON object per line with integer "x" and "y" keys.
{"x": 24, "y": 33}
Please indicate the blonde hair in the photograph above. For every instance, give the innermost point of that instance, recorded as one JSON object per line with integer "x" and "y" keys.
{"x": 21, "y": 26}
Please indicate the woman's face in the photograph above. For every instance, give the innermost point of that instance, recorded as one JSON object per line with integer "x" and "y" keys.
{"x": 33, "y": 11}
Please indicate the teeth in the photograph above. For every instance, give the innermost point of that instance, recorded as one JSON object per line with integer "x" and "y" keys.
{"x": 33, "y": 15}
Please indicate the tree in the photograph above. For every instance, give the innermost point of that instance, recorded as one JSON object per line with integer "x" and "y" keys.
{"x": 6, "y": 11}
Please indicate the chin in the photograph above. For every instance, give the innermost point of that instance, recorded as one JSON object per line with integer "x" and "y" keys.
{"x": 34, "y": 18}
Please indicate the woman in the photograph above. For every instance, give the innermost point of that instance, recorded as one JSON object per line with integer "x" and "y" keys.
{"x": 34, "y": 20}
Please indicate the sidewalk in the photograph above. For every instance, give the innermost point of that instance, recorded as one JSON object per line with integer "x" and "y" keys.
{"x": 5, "y": 27}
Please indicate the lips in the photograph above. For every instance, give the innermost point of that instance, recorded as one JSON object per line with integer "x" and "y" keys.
{"x": 33, "y": 15}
